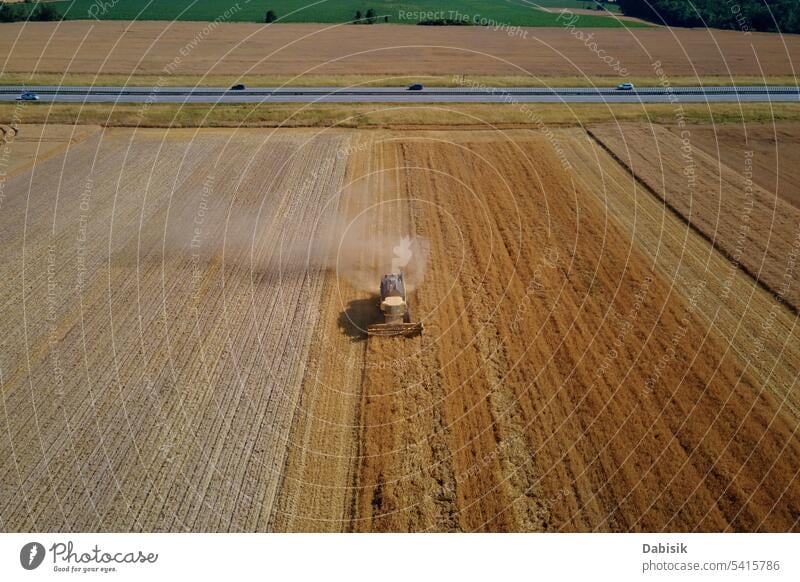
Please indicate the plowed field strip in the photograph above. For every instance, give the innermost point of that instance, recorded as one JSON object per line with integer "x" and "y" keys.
{"x": 756, "y": 329}
{"x": 319, "y": 50}
{"x": 771, "y": 149}
{"x": 759, "y": 330}
{"x": 753, "y": 228}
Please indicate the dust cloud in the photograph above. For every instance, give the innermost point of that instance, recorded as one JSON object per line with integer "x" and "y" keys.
{"x": 359, "y": 250}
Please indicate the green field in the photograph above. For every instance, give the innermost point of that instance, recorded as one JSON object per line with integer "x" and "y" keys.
{"x": 506, "y": 12}
{"x": 571, "y": 4}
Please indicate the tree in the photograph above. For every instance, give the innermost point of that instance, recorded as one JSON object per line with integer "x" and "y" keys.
{"x": 39, "y": 12}
{"x": 45, "y": 13}
{"x": 270, "y": 16}
{"x": 371, "y": 16}
{"x": 358, "y": 17}
{"x": 6, "y": 13}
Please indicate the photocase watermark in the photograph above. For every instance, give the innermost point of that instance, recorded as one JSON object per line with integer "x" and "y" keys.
{"x": 687, "y": 155}
{"x": 51, "y": 317}
{"x": 547, "y": 504}
{"x": 358, "y": 362}
{"x": 788, "y": 281}
{"x": 671, "y": 351}
{"x": 570, "y": 21}
{"x": 744, "y": 226}
{"x": 739, "y": 16}
{"x": 84, "y": 205}
{"x": 458, "y": 17}
{"x": 488, "y": 458}
{"x": 664, "y": 82}
{"x": 100, "y": 8}
{"x": 196, "y": 242}
{"x": 5, "y": 153}
{"x": 625, "y": 329}
{"x": 172, "y": 67}
{"x": 31, "y": 555}
{"x": 344, "y": 152}
{"x": 422, "y": 15}
{"x": 66, "y": 559}
{"x": 548, "y": 261}
{"x": 544, "y": 504}
{"x": 530, "y": 114}
{"x": 686, "y": 149}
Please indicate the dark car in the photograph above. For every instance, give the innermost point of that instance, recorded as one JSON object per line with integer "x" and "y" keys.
{"x": 415, "y": 87}
{"x": 238, "y": 87}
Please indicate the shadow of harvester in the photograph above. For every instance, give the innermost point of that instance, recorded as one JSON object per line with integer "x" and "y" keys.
{"x": 358, "y": 316}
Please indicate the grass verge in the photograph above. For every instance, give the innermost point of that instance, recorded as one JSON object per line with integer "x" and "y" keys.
{"x": 385, "y": 115}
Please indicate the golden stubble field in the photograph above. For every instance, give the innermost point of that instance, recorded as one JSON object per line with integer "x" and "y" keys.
{"x": 186, "y": 48}
{"x": 183, "y": 344}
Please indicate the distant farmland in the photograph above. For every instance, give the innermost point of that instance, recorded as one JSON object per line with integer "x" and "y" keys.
{"x": 405, "y": 12}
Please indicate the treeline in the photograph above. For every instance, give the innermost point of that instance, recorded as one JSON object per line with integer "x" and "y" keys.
{"x": 443, "y": 22}
{"x": 371, "y": 17}
{"x": 747, "y": 15}
{"x": 28, "y": 11}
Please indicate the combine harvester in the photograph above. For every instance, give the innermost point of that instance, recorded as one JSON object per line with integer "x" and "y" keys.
{"x": 393, "y": 305}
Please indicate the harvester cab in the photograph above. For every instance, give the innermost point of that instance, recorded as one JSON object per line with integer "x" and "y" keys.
{"x": 394, "y": 307}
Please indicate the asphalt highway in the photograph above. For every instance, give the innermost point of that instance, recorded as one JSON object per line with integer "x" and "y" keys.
{"x": 402, "y": 95}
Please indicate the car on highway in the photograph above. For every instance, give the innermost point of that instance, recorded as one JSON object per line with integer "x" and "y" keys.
{"x": 28, "y": 96}
{"x": 415, "y": 87}
{"x": 625, "y": 87}
{"x": 237, "y": 87}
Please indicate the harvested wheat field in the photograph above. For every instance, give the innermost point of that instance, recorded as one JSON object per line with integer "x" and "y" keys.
{"x": 158, "y": 312}
{"x": 184, "y": 342}
{"x": 200, "y": 48}
{"x": 22, "y": 146}
{"x": 767, "y": 153}
{"x": 754, "y": 227}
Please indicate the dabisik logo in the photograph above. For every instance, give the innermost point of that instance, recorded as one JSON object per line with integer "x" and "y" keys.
{"x": 31, "y": 555}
